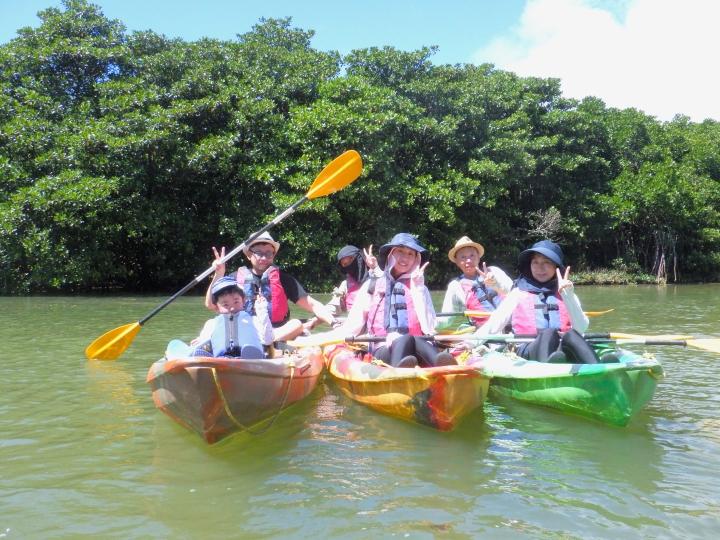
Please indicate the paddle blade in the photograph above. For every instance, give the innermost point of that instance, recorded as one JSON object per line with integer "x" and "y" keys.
{"x": 663, "y": 337}
{"x": 596, "y": 313}
{"x": 112, "y": 344}
{"x": 342, "y": 171}
{"x": 712, "y": 345}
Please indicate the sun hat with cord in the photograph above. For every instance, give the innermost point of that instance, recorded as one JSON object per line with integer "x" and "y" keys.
{"x": 264, "y": 238}
{"x": 546, "y": 248}
{"x": 402, "y": 240}
{"x": 465, "y": 242}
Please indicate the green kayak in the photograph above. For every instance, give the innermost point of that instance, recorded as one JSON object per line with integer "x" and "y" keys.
{"x": 609, "y": 393}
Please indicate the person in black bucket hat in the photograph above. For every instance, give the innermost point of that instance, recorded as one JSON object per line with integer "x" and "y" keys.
{"x": 397, "y": 305}
{"x": 543, "y": 302}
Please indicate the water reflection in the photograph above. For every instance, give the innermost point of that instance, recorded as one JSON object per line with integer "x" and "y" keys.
{"x": 83, "y": 441}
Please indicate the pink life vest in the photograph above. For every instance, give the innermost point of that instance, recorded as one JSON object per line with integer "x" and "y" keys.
{"x": 490, "y": 302}
{"x": 529, "y": 314}
{"x": 376, "y": 313}
{"x": 352, "y": 288}
{"x": 269, "y": 285}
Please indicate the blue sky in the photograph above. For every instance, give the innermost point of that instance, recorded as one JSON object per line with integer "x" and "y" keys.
{"x": 653, "y": 55}
{"x": 458, "y": 27}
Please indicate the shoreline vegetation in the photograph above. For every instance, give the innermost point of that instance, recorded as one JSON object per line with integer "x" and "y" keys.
{"x": 125, "y": 157}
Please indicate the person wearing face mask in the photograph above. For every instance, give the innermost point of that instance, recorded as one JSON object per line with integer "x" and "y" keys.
{"x": 543, "y": 302}
{"x": 357, "y": 266}
{"x": 397, "y": 306}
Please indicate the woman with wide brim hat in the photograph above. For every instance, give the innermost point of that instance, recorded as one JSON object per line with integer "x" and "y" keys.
{"x": 476, "y": 289}
{"x": 544, "y": 302}
{"x": 398, "y": 305}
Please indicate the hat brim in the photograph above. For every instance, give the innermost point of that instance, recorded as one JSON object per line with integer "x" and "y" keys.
{"x": 275, "y": 245}
{"x": 226, "y": 285}
{"x": 385, "y": 250}
{"x": 453, "y": 251}
{"x": 525, "y": 257}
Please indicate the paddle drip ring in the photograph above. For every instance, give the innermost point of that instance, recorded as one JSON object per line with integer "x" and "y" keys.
{"x": 234, "y": 420}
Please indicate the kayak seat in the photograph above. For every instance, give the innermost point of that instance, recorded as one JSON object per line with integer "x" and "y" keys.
{"x": 250, "y": 352}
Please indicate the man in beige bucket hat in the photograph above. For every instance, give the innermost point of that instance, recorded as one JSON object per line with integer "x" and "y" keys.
{"x": 477, "y": 289}
{"x": 278, "y": 287}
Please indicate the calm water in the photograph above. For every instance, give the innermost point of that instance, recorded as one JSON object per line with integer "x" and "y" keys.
{"x": 83, "y": 451}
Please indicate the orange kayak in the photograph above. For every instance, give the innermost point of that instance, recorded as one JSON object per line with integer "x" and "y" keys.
{"x": 216, "y": 397}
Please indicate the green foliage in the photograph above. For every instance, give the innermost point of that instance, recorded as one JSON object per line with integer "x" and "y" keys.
{"x": 125, "y": 157}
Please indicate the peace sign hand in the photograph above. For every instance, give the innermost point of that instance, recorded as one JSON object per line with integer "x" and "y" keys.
{"x": 219, "y": 266}
{"x": 488, "y": 277}
{"x": 563, "y": 281}
{"x": 370, "y": 259}
{"x": 418, "y": 275}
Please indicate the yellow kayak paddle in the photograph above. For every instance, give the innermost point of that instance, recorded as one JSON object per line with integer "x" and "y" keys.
{"x": 342, "y": 171}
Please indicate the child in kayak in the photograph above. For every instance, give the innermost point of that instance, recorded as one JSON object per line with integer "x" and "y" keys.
{"x": 543, "y": 302}
{"x": 476, "y": 289}
{"x": 234, "y": 332}
{"x": 398, "y": 306}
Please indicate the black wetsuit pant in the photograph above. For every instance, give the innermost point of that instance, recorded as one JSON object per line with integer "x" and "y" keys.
{"x": 576, "y": 349}
{"x": 409, "y": 345}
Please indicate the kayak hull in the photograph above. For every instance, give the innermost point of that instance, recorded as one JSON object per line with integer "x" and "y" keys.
{"x": 609, "y": 393}
{"x": 217, "y": 397}
{"x": 437, "y": 397}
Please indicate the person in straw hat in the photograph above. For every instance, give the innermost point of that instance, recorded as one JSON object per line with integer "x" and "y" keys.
{"x": 476, "y": 289}
{"x": 266, "y": 279}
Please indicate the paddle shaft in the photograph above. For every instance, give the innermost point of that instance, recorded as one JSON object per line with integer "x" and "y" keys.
{"x": 382, "y": 339}
{"x": 487, "y": 313}
{"x": 599, "y": 338}
{"x": 227, "y": 257}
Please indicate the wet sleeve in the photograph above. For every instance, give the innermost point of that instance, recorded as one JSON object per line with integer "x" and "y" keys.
{"x": 501, "y": 316}
{"x": 578, "y": 320}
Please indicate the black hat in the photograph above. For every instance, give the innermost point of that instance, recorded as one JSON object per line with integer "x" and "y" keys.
{"x": 544, "y": 247}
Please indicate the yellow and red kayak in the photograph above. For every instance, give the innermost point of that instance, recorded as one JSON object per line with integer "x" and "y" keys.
{"x": 438, "y": 397}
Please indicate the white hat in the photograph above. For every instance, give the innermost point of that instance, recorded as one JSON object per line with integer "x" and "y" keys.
{"x": 264, "y": 238}
{"x": 465, "y": 242}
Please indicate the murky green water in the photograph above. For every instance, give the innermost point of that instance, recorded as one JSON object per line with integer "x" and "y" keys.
{"x": 83, "y": 451}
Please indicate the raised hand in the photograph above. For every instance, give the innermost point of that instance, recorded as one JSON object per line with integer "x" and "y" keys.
{"x": 418, "y": 275}
{"x": 219, "y": 266}
{"x": 563, "y": 281}
{"x": 370, "y": 259}
{"x": 488, "y": 277}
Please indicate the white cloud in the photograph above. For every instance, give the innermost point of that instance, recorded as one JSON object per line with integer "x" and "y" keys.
{"x": 659, "y": 59}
